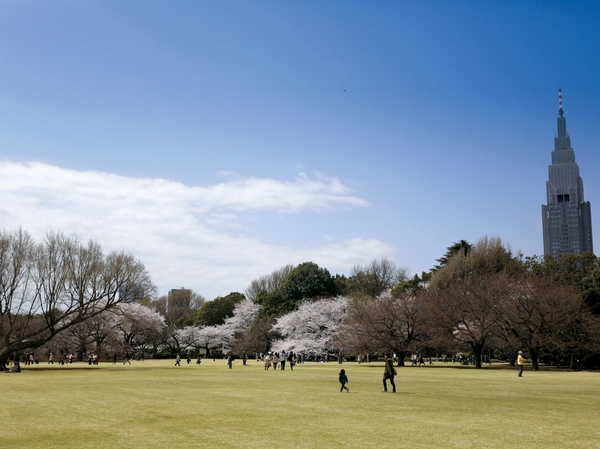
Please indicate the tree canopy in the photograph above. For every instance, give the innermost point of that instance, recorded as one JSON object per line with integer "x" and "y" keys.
{"x": 216, "y": 311}
{"x": 306, "y": 281}
{"x": 50, "y": 286}
{"x": 59, "y": 294}
{"x": 375, "y": 278}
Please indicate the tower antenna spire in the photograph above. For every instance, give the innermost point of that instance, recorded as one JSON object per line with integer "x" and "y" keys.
{"x": 560, "y": 109}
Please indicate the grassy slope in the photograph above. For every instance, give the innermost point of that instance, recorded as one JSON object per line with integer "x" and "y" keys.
{"x": 153, "y": 404}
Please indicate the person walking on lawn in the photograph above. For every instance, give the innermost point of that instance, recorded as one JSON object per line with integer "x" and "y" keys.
{"x": 389, "y": 373}
{"x": 343, "y": 380}
{"x": 520, "y": 363}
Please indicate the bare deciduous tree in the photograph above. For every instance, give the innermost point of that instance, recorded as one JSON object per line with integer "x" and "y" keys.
{"x": 466, "y": 311}
{"x": 178, "y": 306}
{"x": 489, "y": 255}
{"x": 267, "y": 283}
{"x": 541, "y": 313}
{"x": 375, "y": 278}
{"x": 387, "y": 323}
{"x": 51, "y": 286}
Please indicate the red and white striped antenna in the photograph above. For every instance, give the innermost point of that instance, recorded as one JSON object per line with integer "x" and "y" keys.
{"x": 560, "y": 109}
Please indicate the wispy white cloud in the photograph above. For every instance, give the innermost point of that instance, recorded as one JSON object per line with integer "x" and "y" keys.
{"x": 304, "y": 192}
{"x": 186, "y": 235}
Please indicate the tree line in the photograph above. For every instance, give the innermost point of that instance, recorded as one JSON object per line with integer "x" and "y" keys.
{"x": 60, "y": 295}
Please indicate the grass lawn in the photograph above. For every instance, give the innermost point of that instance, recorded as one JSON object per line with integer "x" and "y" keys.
{"x": 153, "y": 404}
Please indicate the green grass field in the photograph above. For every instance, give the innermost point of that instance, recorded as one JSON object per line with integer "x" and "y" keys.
{"x": 153, "y": 404}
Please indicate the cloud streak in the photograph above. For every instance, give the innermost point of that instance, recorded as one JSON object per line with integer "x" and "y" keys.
{"x": 188, "y": 236}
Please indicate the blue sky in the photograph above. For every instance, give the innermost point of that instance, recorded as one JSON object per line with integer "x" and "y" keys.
{"x": 219, "y": 141}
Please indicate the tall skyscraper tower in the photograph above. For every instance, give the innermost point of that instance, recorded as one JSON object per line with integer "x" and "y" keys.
{"x": 566, "y": 218}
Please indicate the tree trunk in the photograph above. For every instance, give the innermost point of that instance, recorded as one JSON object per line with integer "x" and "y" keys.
{"x": 401, "y": 356}
{"x": 477, "y": 350}
{"x": 534, "y": 359}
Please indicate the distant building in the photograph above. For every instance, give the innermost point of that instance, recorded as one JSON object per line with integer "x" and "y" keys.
{"x": 178, "y": 296}
{"x": 566, "y": 218}
{"x": 179, "y": 291}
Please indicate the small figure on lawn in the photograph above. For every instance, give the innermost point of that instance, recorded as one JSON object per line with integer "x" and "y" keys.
{"x": 389, "y": 373}
{"x": 521, "y": 363}
{"x": 343, "y": 380}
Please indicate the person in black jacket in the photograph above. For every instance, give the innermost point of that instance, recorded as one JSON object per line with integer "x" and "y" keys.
{"x": 343, "y": 380}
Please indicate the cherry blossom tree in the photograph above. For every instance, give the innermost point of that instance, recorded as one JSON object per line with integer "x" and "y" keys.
{"x": 137, "y": 325}
{"x": 312, "y": 327}
{"x": 209, "y": 338}
{"x": 244, "y": 314}
{"x": 222, "y": 335}
{"x": 258, "y": 336}
{"x": 96, "y": 335}
{"x": 126, "y": 326}
{"x": 189, "y": 337}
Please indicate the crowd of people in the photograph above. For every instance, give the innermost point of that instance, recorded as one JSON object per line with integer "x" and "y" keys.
{"x": 276, "y": 359}
{"x": 271, "y": 359}
{"x": 28, "y": 358}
